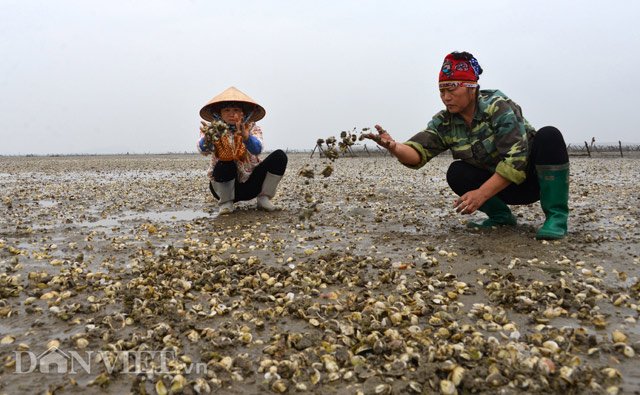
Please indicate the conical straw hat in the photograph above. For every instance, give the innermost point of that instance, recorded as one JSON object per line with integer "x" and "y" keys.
{"x": 232, "y": 94}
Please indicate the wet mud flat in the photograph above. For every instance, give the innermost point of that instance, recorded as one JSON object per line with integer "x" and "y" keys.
{"x": 117, "y": 276}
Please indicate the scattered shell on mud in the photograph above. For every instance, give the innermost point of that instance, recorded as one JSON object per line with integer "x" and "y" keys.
{"x": 378, "y": 290}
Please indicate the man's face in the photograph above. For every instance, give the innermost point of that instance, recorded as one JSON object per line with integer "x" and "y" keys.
{"x": 457, "y": 99}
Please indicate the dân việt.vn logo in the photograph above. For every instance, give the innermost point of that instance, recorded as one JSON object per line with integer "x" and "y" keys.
{"x": 56, "y": 361}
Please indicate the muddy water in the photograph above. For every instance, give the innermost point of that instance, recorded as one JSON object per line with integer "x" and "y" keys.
{"x": 117, "y": 231}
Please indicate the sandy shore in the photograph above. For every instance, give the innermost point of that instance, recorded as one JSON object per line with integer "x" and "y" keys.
{"x": 118, "y": 275}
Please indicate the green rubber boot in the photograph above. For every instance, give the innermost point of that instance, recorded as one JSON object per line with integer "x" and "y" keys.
{"x": 554, "y": 199}
{"x": 498, "y": 212}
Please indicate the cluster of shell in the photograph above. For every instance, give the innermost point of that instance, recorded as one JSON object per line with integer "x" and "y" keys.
{"x": 331, "y": 148}
{"x": 214, "y": 130}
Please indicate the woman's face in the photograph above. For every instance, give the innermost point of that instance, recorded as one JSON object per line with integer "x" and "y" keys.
{"x": 457, "y": 99}
{"x": 232, "y": 115}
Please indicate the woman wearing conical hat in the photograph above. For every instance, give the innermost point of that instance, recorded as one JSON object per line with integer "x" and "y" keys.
{"x": 237, "y": 173}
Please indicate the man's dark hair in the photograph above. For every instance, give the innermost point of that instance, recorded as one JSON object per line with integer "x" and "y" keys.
{"x": 462, "y": 55}
{"x": 468, "y": 57}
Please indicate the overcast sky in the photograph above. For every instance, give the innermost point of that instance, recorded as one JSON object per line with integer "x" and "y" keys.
{"x": 131, "y": 76}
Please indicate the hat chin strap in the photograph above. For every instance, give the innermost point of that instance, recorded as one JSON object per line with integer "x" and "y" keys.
{"x": 248, "y": 116}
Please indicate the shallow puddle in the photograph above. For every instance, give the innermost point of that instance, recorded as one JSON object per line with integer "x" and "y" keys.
{"x": 152, "y": 216}
{"x": 47, "y": 203}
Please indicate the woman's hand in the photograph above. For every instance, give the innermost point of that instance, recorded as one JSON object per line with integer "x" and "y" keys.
{"x": 470, "y": 202}
{"x": 203, "y": 126}
{"x": 203, "y": 132}
{"x": 243, "y": 129}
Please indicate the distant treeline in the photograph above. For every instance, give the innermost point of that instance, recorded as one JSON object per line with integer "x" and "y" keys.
{"x": 574, "y": 149}
{"x": 609, "y": 147}
{"x": 586, "y": 149}
{"x": 594, "y": 148}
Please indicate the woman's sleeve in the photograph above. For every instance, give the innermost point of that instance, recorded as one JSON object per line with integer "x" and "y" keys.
{"x": 254, "y": 142}
{"x": 203, "y": 147}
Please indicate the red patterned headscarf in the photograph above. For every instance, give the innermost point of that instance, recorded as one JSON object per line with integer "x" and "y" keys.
{"x": 459, "y": 69}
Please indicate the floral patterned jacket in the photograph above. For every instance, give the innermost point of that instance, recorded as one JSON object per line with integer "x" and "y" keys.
{"x": 232, "y": 147}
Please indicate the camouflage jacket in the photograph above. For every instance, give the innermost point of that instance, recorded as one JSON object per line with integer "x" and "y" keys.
{"x": 498, "y": 139}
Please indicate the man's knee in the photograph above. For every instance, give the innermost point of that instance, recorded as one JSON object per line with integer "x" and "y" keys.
{"x": 549, "y": 135}
{"x": 455, "y": 175}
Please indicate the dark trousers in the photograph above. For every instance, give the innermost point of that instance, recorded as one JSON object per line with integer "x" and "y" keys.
{"x": 548, "y": 148}
{"x": 275, "y": 163}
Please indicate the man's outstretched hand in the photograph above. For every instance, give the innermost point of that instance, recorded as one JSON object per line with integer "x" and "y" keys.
{"x": 382, "y": 138}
